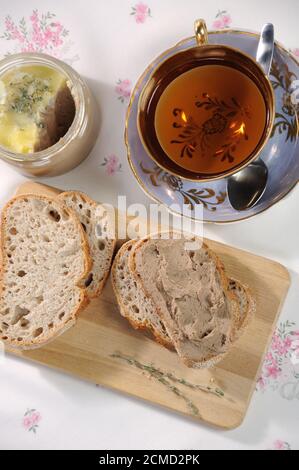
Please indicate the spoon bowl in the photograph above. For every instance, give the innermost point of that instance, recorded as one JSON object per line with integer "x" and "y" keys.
{"x": 247, "y": 186}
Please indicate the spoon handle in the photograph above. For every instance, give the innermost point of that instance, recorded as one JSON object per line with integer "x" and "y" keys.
{"x": 265, "y": 48}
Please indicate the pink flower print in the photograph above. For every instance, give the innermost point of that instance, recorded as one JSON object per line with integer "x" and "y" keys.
{"x": 55, "y": 35}
{"x": 281, "y": 346}
{"x": 126, "y": 82}
{"x": 217, "y": 24}
{"x": 141, "y": 8}
{"x": 226, "y": 21}
{"x": 36, "y": 417}
{"x": 287, "y": 344}
{"x": 110, "y": 170}
{"x": 27, "y": 422}
{"x": 8, "y": 23}
{"x": 48, "y": 34}
{"x": 272, "y": 371}
{"x": 278, "y": 345}
{"x": 140, "y": 12}
{"x": 39, "y": 33}
{"x": 296, "y": 52}
{"x": 12, "y": 31}
{"x": 111, "y": 164}
{"x": 223, "y": 20}
{"x": 269, "y": 356}
{"x": 123, "y": 90}
{"x": 278, "y": 445}
{"x": 34, "y": 17}
{"x": 282, "y": 359}
{"x": 31, "y": 420}
{"x": 140, "y": 18}
{"x": 281, "y": 445}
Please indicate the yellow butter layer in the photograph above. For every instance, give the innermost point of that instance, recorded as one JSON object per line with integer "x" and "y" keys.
{"x": 26, "y": 93}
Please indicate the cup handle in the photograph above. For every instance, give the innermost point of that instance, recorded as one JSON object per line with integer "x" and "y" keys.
{"x": 201, "y": 32}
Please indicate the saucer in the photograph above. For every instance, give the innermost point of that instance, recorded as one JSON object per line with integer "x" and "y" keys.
{"x": 281, "y": 153}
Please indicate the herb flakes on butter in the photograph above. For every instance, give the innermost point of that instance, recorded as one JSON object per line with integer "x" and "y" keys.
{"x": 33, "y": 101}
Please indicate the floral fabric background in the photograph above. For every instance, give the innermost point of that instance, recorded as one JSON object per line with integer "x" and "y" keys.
{"x": 110, "y": 43}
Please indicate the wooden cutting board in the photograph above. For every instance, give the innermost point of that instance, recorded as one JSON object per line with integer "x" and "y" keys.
{"x": 104, "y": 349}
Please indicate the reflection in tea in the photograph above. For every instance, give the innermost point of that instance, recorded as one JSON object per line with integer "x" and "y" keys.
{"x": 210, "y": 119}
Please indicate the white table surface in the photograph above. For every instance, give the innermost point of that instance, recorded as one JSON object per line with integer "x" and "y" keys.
{"x": 106, "y": 43}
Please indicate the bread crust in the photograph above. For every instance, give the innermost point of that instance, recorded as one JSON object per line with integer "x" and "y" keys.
{"x": 244, "y": 320}
{"x": 38, "y": 342}
{"x": 145, "y": 325}
{"x": 87, "y": 199}
{"x": 211, "y": 360}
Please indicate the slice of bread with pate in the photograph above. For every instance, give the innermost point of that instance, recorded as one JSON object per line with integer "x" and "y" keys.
{"x": 142, "y": 313}
{"x": 190, "y": 291}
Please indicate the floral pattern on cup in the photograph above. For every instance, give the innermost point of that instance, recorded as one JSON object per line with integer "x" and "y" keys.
{"x": 222, "y": 20}
{"x": 281, "y": 445}
{"x": 280, "y": 370}
{"x": 31, "y": 420}
{"x": 41, "y": 32}
{"x": 295, "y": 52}
{"x": 141, "y": 12}
{"x": 112, "y": 165}
{"x": 123, "y": 90}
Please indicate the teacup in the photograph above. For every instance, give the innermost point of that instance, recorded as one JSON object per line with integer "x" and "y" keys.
{"x": 206, "y": 112}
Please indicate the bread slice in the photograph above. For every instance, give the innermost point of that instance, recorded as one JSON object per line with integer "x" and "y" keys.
{"x": 44, "y": 257}
{"x": 95, "y": 222}
{"x": 191, "y": 293}
{"x": 137, "y": 308}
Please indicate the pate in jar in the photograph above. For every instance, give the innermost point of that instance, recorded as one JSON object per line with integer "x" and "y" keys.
{"x": 48, "y": 116}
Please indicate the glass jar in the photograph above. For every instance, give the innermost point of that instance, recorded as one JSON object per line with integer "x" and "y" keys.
{"x": 76, "y": 144}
